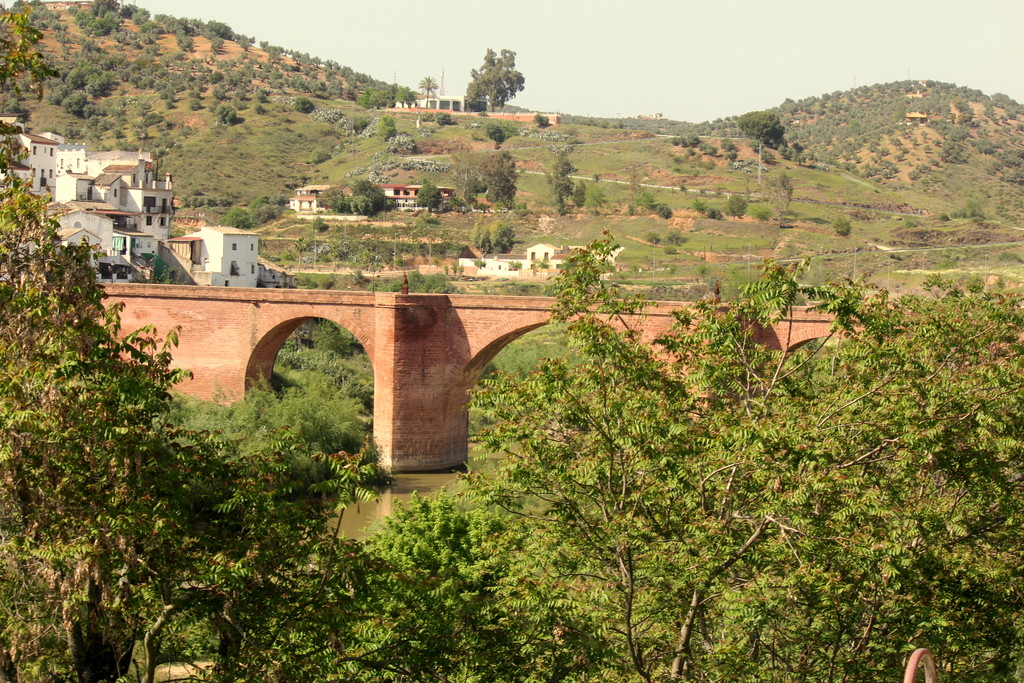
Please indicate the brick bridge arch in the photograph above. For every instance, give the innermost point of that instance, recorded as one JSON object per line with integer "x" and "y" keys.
{"x": 427, "y": 350}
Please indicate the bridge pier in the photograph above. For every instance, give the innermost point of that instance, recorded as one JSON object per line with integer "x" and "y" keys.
{"x": 415, "y": 424}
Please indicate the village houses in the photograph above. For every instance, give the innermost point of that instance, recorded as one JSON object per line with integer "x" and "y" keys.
{"x": 540, "y": 261}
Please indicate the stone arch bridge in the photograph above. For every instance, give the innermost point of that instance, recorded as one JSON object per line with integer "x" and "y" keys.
{"x": 427, "y": 350}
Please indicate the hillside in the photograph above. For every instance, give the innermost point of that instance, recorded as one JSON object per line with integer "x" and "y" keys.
{"x": 235, "y": 120}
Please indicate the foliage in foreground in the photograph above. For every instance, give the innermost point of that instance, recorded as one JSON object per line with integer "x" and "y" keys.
{"x": 726, "y": 511}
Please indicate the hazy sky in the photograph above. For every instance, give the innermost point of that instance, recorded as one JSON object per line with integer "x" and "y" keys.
{"x": 691, "y": 61}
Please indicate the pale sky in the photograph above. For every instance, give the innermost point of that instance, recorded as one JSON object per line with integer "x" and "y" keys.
{"x": 690, "y": 61}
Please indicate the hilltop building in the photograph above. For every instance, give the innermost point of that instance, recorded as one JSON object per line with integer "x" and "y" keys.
{"x": 456, "y": 103}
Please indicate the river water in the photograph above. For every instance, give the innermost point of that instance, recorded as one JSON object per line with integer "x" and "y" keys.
{"x": 360, "y": 519}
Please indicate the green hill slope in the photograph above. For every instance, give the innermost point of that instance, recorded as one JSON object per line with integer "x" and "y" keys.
{"x": 235, "y": 120}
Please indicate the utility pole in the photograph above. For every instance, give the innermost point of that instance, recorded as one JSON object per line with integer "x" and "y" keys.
{"x": 760, "y": 150}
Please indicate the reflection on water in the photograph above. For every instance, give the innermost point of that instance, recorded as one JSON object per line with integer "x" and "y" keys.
{"x": 359, "y": 519}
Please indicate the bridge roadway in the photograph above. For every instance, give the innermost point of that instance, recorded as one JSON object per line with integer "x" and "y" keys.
{"x": 427, "y": 350}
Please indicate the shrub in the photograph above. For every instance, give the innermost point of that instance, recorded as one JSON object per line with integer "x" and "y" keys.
{"x": 760, "y": 213}
{"x": 736, "y": 206}
{"x": 842, "y": 226}
{"x": 226, "y": 115}
{"x": 304, "y": 105}
{"x": 386, "y": 128}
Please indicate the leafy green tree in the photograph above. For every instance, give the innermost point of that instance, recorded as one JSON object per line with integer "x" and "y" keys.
{"x": 499, "y": 131}
{"x": 429, "y": 196}
{"x": 376, "y": 98}
{"x": 763, "y": 126}
{"x": 367, "y": 199}
{"x": 405, "y": 96}
{"x": 595, "y": 199}
{"x": 76, "y": 104}
{"x": 729, "y": 511}
{"x": 779, "y": 190}
{"x": 304, "y": 105}
{"x": 118, "y": 529}
{"x": 386, "y": 128}
{"x": 226, "y": 115}
{"x": 736, "y": 205}
{"x": 560, "y": 181}
{"x": 503, "y": 237}
{"x": 497, "y": 81}
{"x": 436, "y": 558}
{"x": 498, "y": 174}
{"x": 645, "y": 199}
{"x": 579, "y": 194}
{"x": 466, "y": 176}
{"x": 239, "y": 217}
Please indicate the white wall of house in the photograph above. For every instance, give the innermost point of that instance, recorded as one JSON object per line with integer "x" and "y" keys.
{"x": 494, "y": 267}
{"x": 96, "y": 224}
{"x": 79, "y": 235}
{"x": 73, "y": 187}
{"x": 42, "y": 159}
{"x": 231, "y": 256}
{"x": 70, "y": 158}
{"x": 541, "y": 252}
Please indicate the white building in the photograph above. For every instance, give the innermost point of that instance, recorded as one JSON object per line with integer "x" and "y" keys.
{"x": 120, "y": 255}
{"x": 219, "y": 256}
{"x": 41, "y": 158}
{"x": 143, "y": 203}
{"x": 540, "y": 261}
{"x": 450, "y": 103}
{"x": 307, "y": 199}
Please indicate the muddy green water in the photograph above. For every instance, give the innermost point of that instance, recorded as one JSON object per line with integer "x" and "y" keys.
{"x": 360, "y": 519}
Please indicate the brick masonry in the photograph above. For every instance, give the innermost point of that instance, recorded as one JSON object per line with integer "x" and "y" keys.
{"x": 427, "y": 350}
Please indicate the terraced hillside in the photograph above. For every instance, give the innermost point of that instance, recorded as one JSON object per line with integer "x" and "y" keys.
{"x": 241, "y": 123}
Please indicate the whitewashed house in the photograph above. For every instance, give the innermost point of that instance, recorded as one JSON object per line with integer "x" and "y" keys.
{"x": 219, "y": 256}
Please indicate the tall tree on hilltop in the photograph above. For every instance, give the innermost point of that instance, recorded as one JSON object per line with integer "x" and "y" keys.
{"x": 497, "y": 81}
{"x": 763, "y": 126}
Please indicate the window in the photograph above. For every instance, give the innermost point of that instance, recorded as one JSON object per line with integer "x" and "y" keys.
{"x": 119, "y": 243}
{"x": 252, "y": 247}
{"x": 149, "y": 220}
{"x": 252, "y": 269}
{"x": 234, "y": 246}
